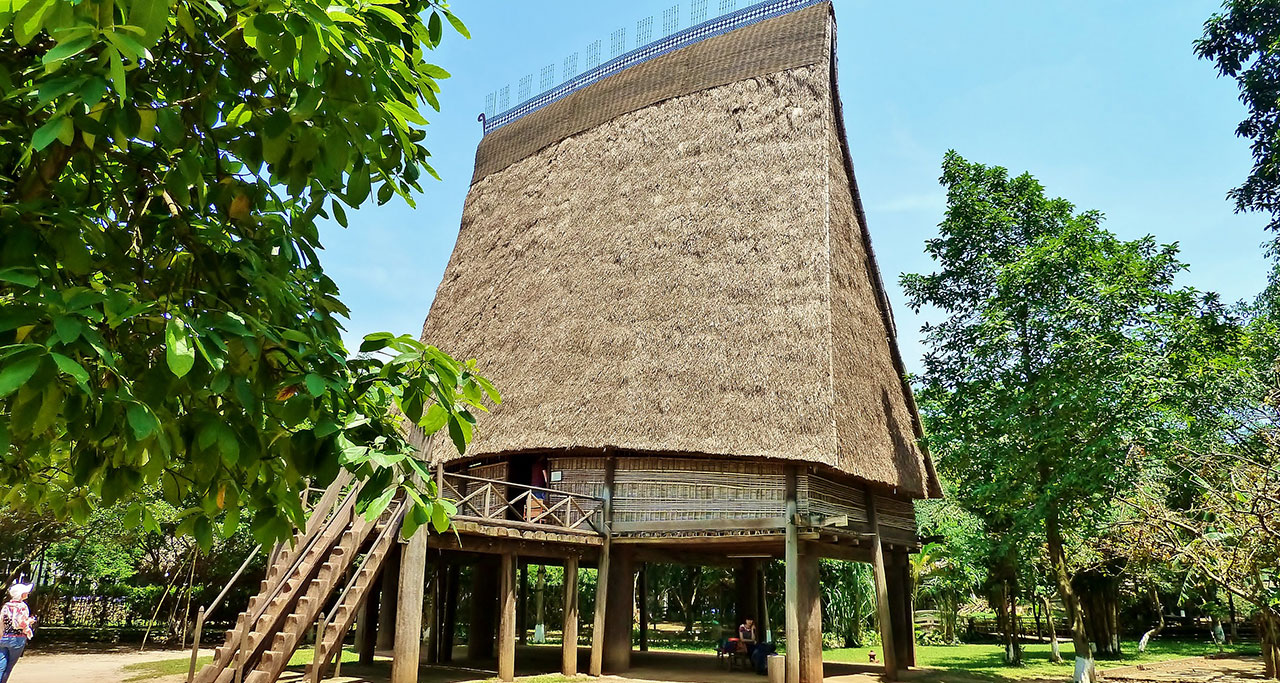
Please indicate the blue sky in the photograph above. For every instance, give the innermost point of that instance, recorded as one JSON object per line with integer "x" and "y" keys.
{"x": 1103, "y": 101}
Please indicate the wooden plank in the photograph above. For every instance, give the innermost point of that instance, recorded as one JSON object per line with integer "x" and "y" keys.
{"x": 883, "y": 609}
{"x": 569, "y": 648}
{"x": 408, "y": 636}
{"x": 753, "y": 541}
{"x": 602, "y": 578}
{"x": 792, "y": 597}
{"x": 701, "y": 524}
{"x": 507, "y": 618}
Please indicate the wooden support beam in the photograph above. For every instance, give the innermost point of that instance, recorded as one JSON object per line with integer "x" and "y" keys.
{"x": 408, "y": 636}
{"x": 507, "y": 618}
{"x": 792, "y": 583}
{"x": 569, "y": 649}
{"x": 884, "y": 610}
{"x": 435, "y": 594}
{"x": 484, "y": 604}
{"x": 899, "y": 568}
{"x": 602, "y": 576}
{"x": 386, "y": 630}
{"x": 367, "y": 628}
{"x": 766, "y": 632}
{"x": 619, "y": 611}
{"x": 809, "y": 643}
{"x": 452, "y": 585}
{"x": 642, "y": 603}
{"x": 747, "y": 588}
{"x": 522, "y": 608}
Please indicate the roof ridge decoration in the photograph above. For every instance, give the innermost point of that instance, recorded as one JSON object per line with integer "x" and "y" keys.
{"x": 689, "y": 36}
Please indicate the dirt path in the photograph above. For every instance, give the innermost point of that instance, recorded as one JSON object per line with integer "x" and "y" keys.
{"x": 96, "y": 666}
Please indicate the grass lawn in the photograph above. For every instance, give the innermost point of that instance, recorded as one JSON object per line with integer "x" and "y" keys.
{"x": 986, "y": 661}
{"x": 145, "y": 671}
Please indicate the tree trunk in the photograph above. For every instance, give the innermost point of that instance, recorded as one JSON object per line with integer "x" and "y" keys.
{"x": 1005, "y": 622}
{"x": 1085, "y": 670}
{"x": 1155, "y": 630}
{"x": 1269, "y": 634}
{"x": 1233, "y": 635}
{"x": 1035, "y": 613}
{"x": 1055, "y": 655}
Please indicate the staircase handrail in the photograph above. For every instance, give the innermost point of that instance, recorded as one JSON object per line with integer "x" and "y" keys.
{"x": 393, "y": 525}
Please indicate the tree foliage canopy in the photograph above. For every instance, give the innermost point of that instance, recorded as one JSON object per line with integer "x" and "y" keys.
{"x": 1244, "y": 42}
{"x": 166, "y": 320}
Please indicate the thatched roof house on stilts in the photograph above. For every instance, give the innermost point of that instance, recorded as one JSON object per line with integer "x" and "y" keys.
{"x": 664, "y": 265}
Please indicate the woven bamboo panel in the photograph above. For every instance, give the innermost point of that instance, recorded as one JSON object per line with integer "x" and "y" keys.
{"x": 830, "y": 498}
{"x": 897, "y": 520}
{"x": 581, "y": 475}
{"x": 674, "y": 489}
{"x": 494, "y": 470}
{"x": 792, "y": 40}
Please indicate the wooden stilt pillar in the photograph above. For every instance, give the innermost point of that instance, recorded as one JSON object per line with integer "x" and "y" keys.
{"x": 900, "y": 601}
{"x": 522, "y": 608}
{"x": 484, "y": 593}
{"x": 620, "y": 610}
{"x": 452, "y": 585}
{"x": 507, "y": 618}
{"x": 602, "y": 576}
{"x": 408, "y": 638}
{"x": 810, "y": 618}
{"x": 386, "y": 631}
{"x": 431, "y": 655}
{"x": 569, "y": 650}
{"x": 884, "y": 609}
{"x": 762, "y": 598}
{"x": 642, "y": 603}
{"x": 792, "y": 582}
{"x": 367, "y": 628}
{"x": 747, "y": 603}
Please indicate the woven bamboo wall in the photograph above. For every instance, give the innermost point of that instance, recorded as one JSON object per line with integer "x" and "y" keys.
{"x": 830, "y": 498}
{"x": 648, "y": 489}
{"x": 897, "y": 520}
{"x": 581, "y": 475}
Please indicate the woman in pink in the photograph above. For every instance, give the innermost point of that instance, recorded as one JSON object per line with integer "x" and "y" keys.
{"x": 16, "y": 624}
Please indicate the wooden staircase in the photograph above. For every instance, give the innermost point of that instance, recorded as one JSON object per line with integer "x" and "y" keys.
{"x": 299, "y": 583}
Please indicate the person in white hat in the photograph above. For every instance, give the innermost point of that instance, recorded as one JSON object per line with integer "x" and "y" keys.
{"x": 16, "y": 628}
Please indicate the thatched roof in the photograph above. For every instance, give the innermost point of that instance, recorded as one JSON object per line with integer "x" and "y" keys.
{"x": 685, "y": 270}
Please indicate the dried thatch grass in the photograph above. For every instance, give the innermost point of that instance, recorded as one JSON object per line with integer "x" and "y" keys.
{"x": 690, "y": 277}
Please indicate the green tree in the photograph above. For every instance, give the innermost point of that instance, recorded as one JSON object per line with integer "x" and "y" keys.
{"x": 164, "y": 316}
{"x": 1244, "y": 42}
{"x": 1049, "y": 366}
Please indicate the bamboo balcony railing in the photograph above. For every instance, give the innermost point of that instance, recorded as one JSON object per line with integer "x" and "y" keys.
{"x": 503, "y": 503}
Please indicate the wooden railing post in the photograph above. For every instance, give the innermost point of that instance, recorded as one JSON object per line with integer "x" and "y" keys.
{"x": 195, "y": 644}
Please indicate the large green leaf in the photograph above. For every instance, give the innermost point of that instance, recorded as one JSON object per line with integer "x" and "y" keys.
{"x": 180, "y": 352}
